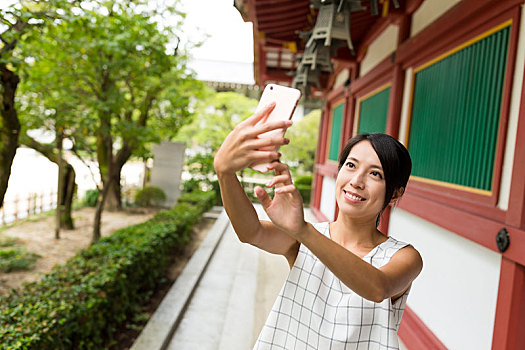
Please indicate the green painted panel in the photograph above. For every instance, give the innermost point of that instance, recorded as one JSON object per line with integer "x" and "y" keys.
{"x": 373, "y": 112}
{"x": 335, "y": 133}
{"x": 456, "y": 113}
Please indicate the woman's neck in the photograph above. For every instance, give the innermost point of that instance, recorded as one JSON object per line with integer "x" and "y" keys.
{"x": 355, "y": 232}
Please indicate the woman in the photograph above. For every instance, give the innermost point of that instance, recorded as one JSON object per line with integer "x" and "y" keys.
{"x": 348, "y": 283}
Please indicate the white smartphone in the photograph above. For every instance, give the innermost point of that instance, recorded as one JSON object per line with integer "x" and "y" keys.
{"x": 286, "y": 100}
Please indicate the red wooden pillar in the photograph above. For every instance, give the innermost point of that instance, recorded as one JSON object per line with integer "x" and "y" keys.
{"x": 509, "y": 326}
{"x": 395, "y": 102}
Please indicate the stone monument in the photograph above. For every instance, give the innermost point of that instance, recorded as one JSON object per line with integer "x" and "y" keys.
{"x": 168, "y": 159}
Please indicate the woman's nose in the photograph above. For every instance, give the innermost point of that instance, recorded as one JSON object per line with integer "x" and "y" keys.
{"x": 357, "y": 180}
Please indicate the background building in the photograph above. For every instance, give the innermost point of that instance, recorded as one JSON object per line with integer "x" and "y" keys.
{"x": 445, "y": 77}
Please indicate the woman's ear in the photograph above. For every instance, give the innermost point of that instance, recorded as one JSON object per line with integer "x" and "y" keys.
{"x": 397, "y": 194}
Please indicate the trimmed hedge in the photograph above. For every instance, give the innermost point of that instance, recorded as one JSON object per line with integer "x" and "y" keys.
{"x": 80, "y": 304}
{"x": 149, "y": 196}
{"x": 304, "y": 185}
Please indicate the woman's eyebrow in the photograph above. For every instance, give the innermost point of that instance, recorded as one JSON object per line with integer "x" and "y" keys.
{"x": 355, "y": 160}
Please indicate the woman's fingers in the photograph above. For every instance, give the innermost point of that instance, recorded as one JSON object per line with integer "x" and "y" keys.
{"x": 269, "y": 126}
{"x": 279, "y": 180}
{"x": 260, "y": 115}
{"x": 280, "y": 168}
{"x": 268, "y": 142}
{"x": 264, "y": 156}
{"x": 286, "y": 189}
{"x": 262, "y": 196}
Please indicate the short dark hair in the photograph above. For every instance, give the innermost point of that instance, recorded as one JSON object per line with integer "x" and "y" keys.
{"x": 394, "y": 158}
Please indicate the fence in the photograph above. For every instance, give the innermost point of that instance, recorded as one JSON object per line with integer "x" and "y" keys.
{"x": 22, "y": 207}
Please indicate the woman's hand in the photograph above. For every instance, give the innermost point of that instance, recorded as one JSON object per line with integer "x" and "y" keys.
{"x": 286, "y": 208}
{"x": 242, "y": 147}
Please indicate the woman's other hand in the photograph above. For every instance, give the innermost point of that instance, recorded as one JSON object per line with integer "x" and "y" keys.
{"x": 241, "y": 148}
{"x": 286, "y": 208}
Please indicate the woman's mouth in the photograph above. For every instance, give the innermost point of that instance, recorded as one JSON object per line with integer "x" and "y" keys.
{"x": 353, "y": 197}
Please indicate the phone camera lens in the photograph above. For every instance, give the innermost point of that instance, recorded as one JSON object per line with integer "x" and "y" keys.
{"x": 271, "y": 87}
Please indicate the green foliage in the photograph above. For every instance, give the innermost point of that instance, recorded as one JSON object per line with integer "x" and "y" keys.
{"x": 90, "y": 199}
{"x": 304, "y": 185}
{"x": 215, "y": 117}
{"x": 109, "y": 79}
{"x": 200, "y": 198}
{"x": 203, "y": 174}
{"x": 8, "y": 242}
{"x": 303, "y": 143}
{"x": 304, "y": 180}
{"x": 80, "y": 304}
{"x": 15, "y": 259}
{"x": 150, "y": 196}
{"x": 190, "y": 185}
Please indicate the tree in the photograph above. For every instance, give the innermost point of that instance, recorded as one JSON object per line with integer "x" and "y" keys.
{"x": 303, "y": 143}
{"x": 45, "y": 106}
{"x": 215, "y": 117}
{"x": 19, "y": 23}
{"x": 122, "y": 87}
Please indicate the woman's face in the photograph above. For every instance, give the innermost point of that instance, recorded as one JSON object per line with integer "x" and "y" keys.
{"x": 360, "y": 184}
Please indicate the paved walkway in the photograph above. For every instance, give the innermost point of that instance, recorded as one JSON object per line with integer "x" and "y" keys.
{"x": 233, "y": 298}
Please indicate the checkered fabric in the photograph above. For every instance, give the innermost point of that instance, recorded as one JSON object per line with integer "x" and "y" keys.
{"x": 315, "y": 310}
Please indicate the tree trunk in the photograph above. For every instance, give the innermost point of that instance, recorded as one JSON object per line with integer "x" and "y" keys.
{"x": 9, "y": 126}
{"x": 68, "y": 185}
{"x": 59, "y": 141}
{"x": 114, "y": 200}
{"x": 68, "y": 191}
{"x": 106, "y": 165}
{"x": 98, "y": 214}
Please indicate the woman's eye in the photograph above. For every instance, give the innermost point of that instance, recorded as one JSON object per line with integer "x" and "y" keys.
{"x": 376, "y": 173}
{"x": 350, "y": 165}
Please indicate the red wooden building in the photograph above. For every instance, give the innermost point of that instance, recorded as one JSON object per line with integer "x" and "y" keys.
{"x": 446, "y": 78}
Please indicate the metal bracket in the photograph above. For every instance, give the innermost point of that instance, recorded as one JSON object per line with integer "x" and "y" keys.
{"x": 502, "y": 240}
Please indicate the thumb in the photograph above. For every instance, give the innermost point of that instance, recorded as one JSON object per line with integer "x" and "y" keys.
{"x": 262, "y": 196}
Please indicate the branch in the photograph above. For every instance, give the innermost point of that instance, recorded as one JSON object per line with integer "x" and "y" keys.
{"x": 44, "y": 149}
{"x": 145, "y": 112}
{"x": 74, "y": 149}
{"x": 9, "y": 46}
{"x": 123, "y": 154}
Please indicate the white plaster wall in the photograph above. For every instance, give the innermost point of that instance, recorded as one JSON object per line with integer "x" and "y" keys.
{"x": 341, "y": 78}
{"x": 328, "y": 198}
{"x": 428, "y": 12}
{"x": 379, "y": 49}
{"x": 456, "y": 293}
{"x": 506, "y": 175}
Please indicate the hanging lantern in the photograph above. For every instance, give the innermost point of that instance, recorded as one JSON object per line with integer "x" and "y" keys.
{"x": 317, "y": 55}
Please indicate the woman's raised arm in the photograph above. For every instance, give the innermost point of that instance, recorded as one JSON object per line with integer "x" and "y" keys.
{"x": 240, "y": 149}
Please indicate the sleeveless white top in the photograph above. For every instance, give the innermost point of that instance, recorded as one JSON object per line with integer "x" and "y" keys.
{"x": 315, "y": 310}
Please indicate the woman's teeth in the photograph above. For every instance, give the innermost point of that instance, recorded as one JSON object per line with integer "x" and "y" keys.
{"x": 356, "y": 198}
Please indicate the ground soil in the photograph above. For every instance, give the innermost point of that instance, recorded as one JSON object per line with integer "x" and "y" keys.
{"x": 39, "y": 237}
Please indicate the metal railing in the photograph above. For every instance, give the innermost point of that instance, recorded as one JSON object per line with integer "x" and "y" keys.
{"x": 24, "y": 206}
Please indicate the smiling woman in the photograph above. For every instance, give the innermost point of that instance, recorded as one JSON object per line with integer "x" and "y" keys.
{"x": 348, "y": 283}
{"x": 388, "y": 160}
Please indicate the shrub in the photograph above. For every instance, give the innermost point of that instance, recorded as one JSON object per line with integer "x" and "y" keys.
{"x": 304, "y": 185}
{"x": 80, "y": 304}
{"x": 15, "y": 259}
{"x": 8, "y": 242}
{"x": 149, "y": 196}
{"x": 90, "y": 199}
{"x": 190, "y": 185}
{"x": 304, "y": 180}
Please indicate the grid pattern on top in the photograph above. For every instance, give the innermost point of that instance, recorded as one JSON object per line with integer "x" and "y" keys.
{"x": 315, "y": 310}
